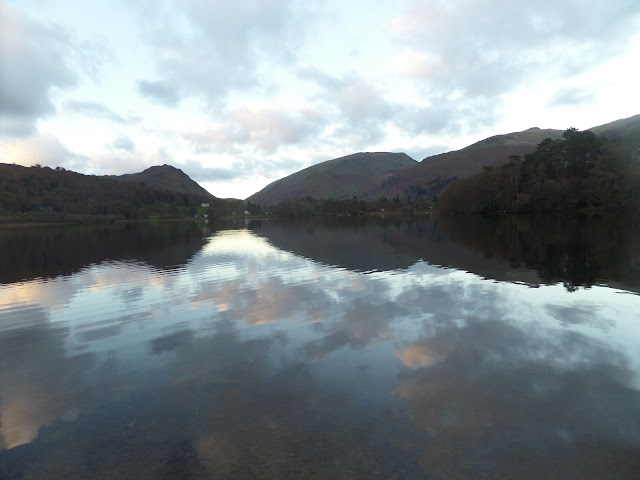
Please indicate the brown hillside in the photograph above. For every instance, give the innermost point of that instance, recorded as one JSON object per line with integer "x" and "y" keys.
{"x": 166, "y": 177}
{"x": 434, "y": 173}
{"x": 340, "y": 178}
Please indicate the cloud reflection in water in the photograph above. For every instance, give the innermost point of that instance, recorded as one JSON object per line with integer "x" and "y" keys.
{"x": 252, "y": 362}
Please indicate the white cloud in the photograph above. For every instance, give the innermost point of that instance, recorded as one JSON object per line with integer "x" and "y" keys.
{"x": 412, "y": 63}
{"x": 40, "y": 149}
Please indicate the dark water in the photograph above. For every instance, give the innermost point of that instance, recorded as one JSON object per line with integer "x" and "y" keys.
{"x": 379, "y": 348}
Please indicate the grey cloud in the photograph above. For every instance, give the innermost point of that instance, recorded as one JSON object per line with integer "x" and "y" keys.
{"x": 355, "y": 98}
{"x": 358, "y": 106}
{"x": 264, "y": 129}
{"x": 199, "y": 173}
{"x": 242, "y": 167}
{"x": 95, "y": 110}
{"x": 124, "y": 143}
{"x": 436, "y": 119}
{"x": 33, "y": 57}
{"x": 226, "y": 45}
{"x": 569, "y": 96}
{"x": 160, "y": 92}
{"x": 362, "y": 110}
{"x": 446, "y": 115}
{"x": 512, "y": 42}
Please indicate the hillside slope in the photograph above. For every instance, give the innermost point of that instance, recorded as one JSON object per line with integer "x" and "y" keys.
{"x": 166, "y": 177}
{"x": 340, "y": 178}
{"x": 49, "y": 193}
{"x": 372, "y": 175}
{"x": 434, "y": 173}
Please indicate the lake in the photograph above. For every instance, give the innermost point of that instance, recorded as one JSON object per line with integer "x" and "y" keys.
{"x": 392, "y": 348}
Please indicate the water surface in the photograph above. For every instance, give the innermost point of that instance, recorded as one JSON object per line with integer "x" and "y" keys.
{"x": 378, "y": 348}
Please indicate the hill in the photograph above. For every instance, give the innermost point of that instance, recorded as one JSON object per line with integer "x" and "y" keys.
{"x": 44, "y": 194}
{"x": 166, "y": 177}
{"x": 579, "y": 171}
{"x": 342, "y": 178}
{"x": 434, "y": 173}
{"x": 371, "y": 176}
{"x": 623, "y": 132}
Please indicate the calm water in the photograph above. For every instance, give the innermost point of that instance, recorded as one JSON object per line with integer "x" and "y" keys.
{"x": 386, "y": 348}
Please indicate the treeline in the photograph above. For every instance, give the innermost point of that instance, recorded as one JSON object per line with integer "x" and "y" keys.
{"x": 44, "y": 194}
{"x": 308, "y": 206}
{"x": 577, "y": 172}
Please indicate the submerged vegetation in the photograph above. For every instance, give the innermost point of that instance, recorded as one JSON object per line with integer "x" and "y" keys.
{"x": 576, "y": 172}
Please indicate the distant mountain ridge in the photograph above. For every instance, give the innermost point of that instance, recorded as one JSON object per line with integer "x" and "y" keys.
{"x": 372, "y": 175}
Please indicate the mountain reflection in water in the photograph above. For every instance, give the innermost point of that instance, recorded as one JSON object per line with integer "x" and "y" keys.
{"x": 335, "y": 349}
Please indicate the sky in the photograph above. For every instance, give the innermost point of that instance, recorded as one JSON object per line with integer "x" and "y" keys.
{"x": 240, "y": 93}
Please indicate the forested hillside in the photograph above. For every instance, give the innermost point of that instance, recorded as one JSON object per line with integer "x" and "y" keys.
{"x": 577, "y": 171}
{"x": 45, "y": 194}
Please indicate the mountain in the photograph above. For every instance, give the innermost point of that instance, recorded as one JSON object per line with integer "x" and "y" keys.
{"x": 580, "y": 171}
{"x": 43, "y": 194}
{"x": 341, "y": 178}
{"x": 434, "y": 173}
{"x": 372, "y": 175}
{"x": 166, "y": 177}
{"x": 623, "y": 132}
{"x": 624, "y": 127}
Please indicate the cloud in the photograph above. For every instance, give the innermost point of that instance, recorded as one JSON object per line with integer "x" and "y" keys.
{"x": 362, "y": 111}
{"x": 445, "y": 115}
{"x": 420, "y": 152}
{"x": 123, "y": 161}
{"x": 463, "y": 58}
{"x": 95, "y": 110}
{"x": 40, "y": 149}
{"x": 356, "y": 99}
{"x": 207, "y": 49}
{"x": 33, "y": 56}
{"x": 491, "y": 47}
{"x": 415, "y": 64}
{"x": 569, "y": 96}
{"x": 160, "y": 92}
{"x": 262, "y": 128}
{"x": 124, "y": 143}
{"x": 359, "y": 108}
{"x": 200, "y": 173}
{"x": 47, "y": 150}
